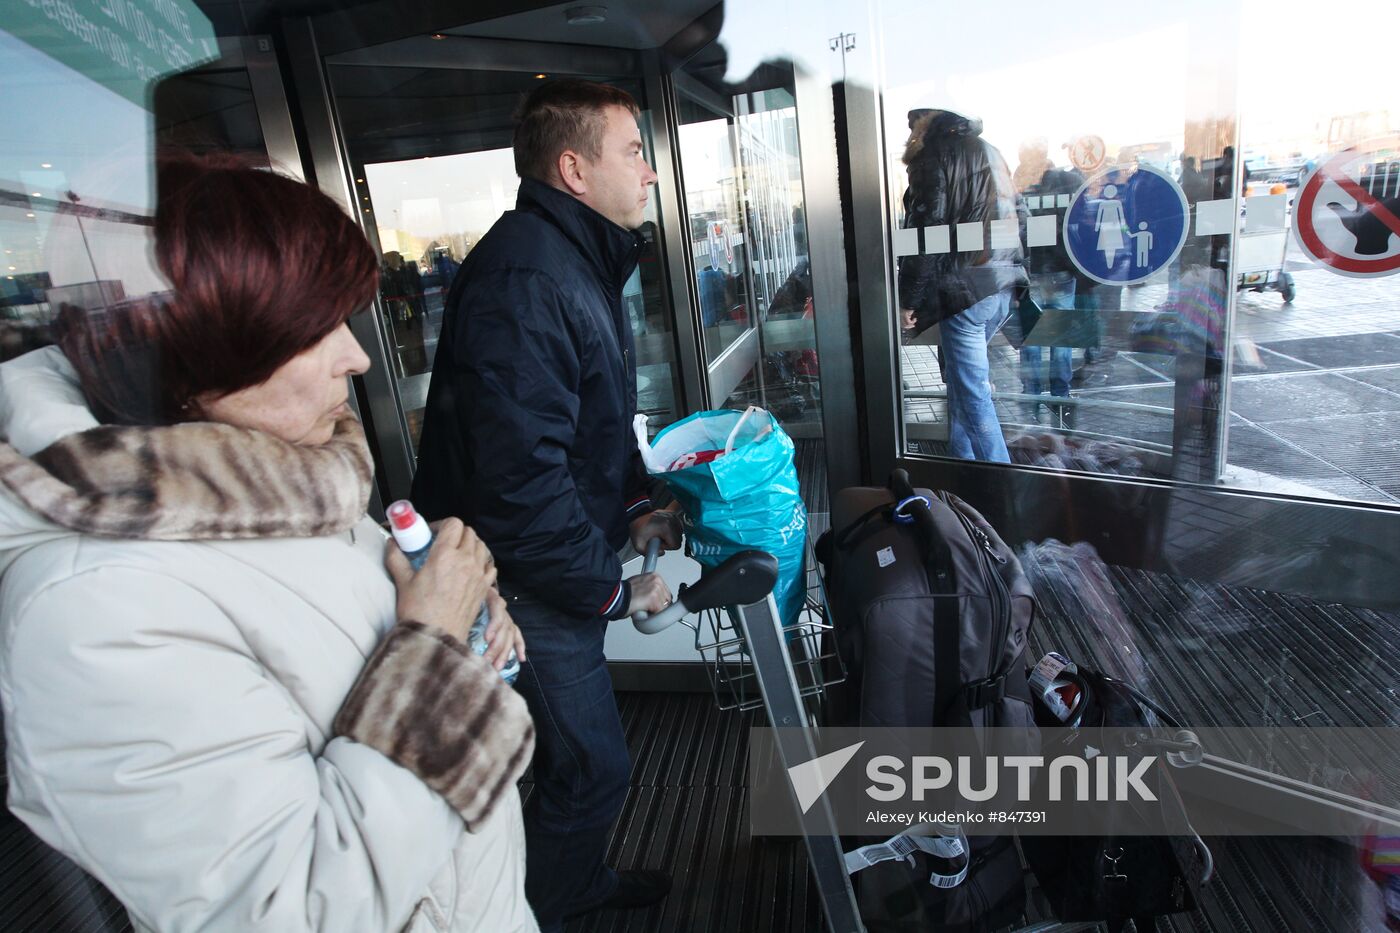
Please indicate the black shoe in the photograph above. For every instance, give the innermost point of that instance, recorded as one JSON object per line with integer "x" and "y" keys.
{"x": 638, "y": 889}
{"x": 1090, "y": 377}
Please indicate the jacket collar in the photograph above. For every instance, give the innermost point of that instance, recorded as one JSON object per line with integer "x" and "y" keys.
{"x": 611, "y": 250}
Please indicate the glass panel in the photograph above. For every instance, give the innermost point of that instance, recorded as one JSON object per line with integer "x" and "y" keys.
{"x": 1110, "y": 159}
{"x": 207, "y": 110}
{"x": 1120, "y": 366}
{"x": 431, "y": 151}
{"x": 742, "y": 174}
{"x": 75, "y": 184}
{"x": 705, "y": 149}
{"x": 782, "y": 269}
{"x": 1082, "y": 198}
{"x": 1315, "y": 382}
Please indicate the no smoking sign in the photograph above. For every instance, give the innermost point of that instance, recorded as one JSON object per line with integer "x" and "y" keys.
{"x": 1347, "y": 214}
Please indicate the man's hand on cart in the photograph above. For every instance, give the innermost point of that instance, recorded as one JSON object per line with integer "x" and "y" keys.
{"x": 649, "y": 593}
{"x": 664, "y": 524}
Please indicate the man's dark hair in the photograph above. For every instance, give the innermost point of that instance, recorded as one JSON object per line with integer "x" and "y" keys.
{"x": 560, "y": 115}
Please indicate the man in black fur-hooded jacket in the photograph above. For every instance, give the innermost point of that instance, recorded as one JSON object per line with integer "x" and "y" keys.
{"x": 528, "y": 439}
{"x": 956, "y": 177}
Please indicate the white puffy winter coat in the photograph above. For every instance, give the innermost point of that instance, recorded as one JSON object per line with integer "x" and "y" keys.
{"x": 170, "y": 706}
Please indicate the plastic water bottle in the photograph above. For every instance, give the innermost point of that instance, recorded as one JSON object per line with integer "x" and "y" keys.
{"x": 415, "y": 539}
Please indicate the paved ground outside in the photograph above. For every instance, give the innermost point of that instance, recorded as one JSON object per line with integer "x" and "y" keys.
{"x": 1314, "y": 393}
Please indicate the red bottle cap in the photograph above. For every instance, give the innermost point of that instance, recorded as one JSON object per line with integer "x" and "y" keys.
{"x": 401, "y": 514}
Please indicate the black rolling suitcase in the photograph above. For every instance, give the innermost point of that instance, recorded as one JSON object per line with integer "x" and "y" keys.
{"x": 932, "y": 612}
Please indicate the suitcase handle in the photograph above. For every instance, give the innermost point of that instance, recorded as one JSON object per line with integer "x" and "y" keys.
{"x": 937, "y": 556}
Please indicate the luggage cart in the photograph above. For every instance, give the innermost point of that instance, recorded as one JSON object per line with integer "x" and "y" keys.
{"x": 811, "y": 648}
{"x": 753, "y": 660}
{"x": 1259, "y": 263}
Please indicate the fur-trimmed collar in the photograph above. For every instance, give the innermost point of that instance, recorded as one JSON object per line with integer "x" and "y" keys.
{"x": 196, "y": 481}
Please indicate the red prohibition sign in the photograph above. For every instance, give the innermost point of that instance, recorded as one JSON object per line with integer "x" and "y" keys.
{"x": 1303, "y": 218}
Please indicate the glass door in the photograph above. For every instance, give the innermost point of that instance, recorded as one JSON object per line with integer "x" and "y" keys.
{"x": 429, "y": 152}
{"x": 75, "y": 185}
{"x": 708, "y": 151}
{"x": 740, "y": 171}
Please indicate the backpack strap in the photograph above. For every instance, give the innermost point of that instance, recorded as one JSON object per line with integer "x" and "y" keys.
{"x": 938, "y": 558}
{"x": 860, "y": 529}
{"x": 950, "y": 708}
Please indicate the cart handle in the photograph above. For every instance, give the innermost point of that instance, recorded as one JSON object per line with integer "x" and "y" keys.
{"x": 745, "y": 578}
{"x": 648, "y": 566}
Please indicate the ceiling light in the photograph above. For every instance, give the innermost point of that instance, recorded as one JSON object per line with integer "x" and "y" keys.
{"x": 437, "y": 35}
{"x": 29, "y": 214}
{"x": 36, "y": 194}
{"x": 12, "y": 268}
{"x": 586, "y": 15}
{"x": 45, "y": 165}
{"x": 541, "y": 77}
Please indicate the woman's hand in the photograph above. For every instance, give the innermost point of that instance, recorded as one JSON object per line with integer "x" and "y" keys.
{"x": 448, "y": 591}
{"x": 502, "y": 634}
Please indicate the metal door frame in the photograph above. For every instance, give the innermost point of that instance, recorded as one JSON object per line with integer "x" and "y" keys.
{"x": 256, "y": 56}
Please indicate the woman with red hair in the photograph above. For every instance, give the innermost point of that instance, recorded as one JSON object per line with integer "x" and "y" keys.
{"x": 225, "y": 694}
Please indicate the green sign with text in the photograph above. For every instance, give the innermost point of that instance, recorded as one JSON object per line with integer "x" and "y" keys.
{"x": 124, "y": 45}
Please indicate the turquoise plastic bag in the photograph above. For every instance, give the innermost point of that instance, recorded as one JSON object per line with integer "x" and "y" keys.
{"x": 746, "y": 499}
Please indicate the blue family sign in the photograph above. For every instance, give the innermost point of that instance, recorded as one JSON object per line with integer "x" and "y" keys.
{"x": 1126, "y": 224}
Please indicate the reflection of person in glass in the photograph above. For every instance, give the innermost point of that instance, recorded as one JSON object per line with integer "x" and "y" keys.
{"x": 402, "y": 292}
{"x": 219, "y": 700}
{"x": 956, "y": 177}
{"x": 1053, "y": 283}
{"x": 528, "y": 438}
{"x": 1196, "y": 186}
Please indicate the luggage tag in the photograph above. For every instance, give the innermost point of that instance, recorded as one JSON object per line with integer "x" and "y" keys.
{"x": 1059, "y": 694}
{"x": 920, "y": 837}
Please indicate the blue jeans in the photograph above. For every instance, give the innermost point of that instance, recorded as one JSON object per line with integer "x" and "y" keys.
{"x": 581, "y": 762}
{"x": 1050, "y": 290}
{"x": 974, "y": 433}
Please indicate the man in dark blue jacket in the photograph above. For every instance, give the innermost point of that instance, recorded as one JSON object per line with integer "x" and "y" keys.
{"x": 527, "y": 437}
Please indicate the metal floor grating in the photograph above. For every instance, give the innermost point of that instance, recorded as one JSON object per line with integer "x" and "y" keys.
{"x": 1335, "y": 438}
{"x": 1217, "y": 654}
